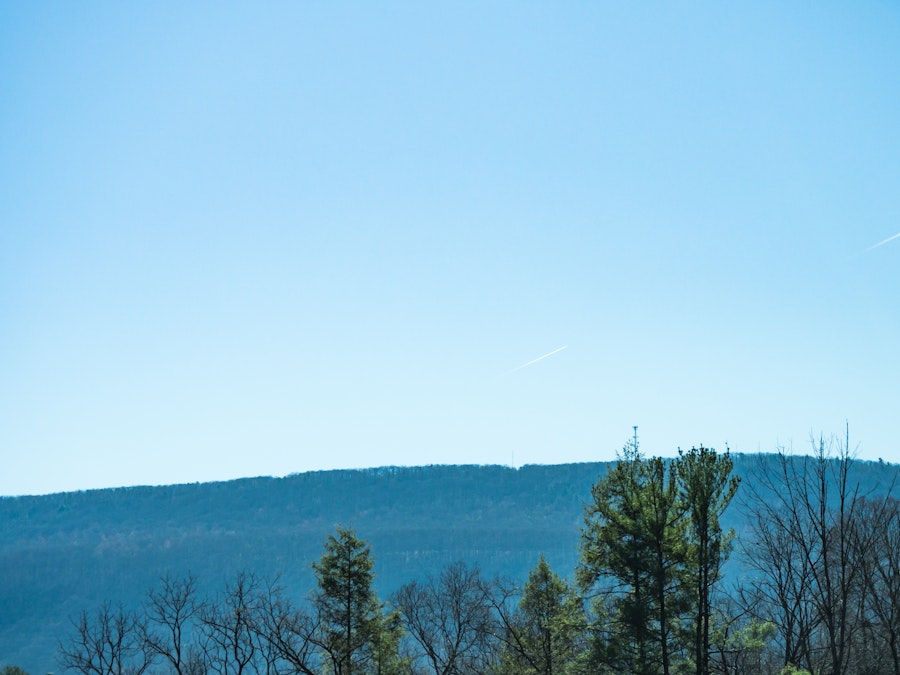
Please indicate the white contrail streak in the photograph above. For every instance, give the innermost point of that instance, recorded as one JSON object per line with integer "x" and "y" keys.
{"x": 882, "y": 243}
{"x": 525, "y": 365}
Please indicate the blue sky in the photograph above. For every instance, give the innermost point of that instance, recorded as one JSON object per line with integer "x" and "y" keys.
{"x": 262, "y": 238}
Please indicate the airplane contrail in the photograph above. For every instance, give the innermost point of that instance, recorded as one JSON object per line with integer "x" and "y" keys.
{"x": 525, "y": 365}
{"x": 882, "y": 243}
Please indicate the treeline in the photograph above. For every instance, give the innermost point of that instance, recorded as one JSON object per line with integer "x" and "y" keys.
{"x": 825, "y": 568}
{"x": 822, "y": 595}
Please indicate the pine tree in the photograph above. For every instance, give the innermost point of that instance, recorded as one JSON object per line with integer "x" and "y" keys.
{"x": 545, "y": 634}
{"x": 632, "y": 553}
{"x": 707, "y": 489}
{"x": 354, "y": 636}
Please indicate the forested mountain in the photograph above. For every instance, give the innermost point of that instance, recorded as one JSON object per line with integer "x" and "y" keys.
{"x": 64, "y": 553}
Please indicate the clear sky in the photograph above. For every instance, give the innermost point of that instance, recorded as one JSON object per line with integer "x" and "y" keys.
{"x": 244, "y": 239}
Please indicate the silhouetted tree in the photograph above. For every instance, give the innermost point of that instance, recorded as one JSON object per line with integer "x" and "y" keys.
{"x": 880, "y": 570}
{"x": 107, "y": 642}
{"x": 741, "y": 643}
{"x": 450, "y": 620}
{"x": 781, "y": 575}
{"x": 289, "y": 633}
{"x": 170, "y": 611}
{"x": 228, "y": 625}
{"x": 811, "y": 547}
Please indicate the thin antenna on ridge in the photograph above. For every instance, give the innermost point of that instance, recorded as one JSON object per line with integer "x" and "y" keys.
{"x": 635, "y": 438}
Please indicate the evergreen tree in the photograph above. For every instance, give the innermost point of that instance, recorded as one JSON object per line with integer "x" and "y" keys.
{"x": 544, "y": 637}
{"x": 387, "y": 634}
{"x": 707, "y": 489}
{"x": 632, "y": 553}
{"x": 353, "y": 636}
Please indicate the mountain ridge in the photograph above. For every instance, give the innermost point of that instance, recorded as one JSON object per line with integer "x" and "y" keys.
{"x": 69, "y": 551}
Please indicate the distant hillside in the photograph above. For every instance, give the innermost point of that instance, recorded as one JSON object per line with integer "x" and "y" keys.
{"x": 66, "y": 552}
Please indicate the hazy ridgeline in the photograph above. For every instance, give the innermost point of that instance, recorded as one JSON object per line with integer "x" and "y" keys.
{"x": 67, "y": 553}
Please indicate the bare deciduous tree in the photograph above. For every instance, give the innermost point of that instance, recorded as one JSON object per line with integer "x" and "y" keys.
{"x": 288, "y": 632}
{"x": 230, "y": 641}
{"x": 106, "y": 643}
{"x": 168, "y": 628}
{"x": 880, "y": 570}
{"x": 813, "y": 542}
{"x": 450, "y": 619}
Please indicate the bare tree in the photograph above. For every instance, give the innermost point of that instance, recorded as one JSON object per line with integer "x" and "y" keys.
{"x": 741, "y": 643}
{"x": 782, "y": 580}
{"x": 168, "y": 628}
{"x": 105, "y": 643}
{"x": 880, "y": 570}
{"x": 288, "y": 632}
{"x": 450, "y": 620}
{"x": 228, "y": 628}
{"x": 810, "y": 546}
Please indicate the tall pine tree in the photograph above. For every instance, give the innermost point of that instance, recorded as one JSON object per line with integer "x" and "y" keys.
{"x": 707, "y": 488}
{"x": 354, "y": 635}
{"x": 632, "y": 549}
{"x": 651, "y": 553}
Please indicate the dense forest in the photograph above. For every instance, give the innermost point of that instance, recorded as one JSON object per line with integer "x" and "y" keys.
{"x": 706, "y": 563}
